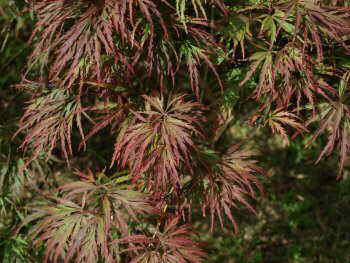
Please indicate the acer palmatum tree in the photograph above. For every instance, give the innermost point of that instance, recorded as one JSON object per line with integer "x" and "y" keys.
{"x": 166, "y": 79}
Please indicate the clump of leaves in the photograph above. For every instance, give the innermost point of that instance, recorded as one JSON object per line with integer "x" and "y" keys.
{"x": 229, "y": 181}
{"x": 334, "y": 119}
{"x": 78, "y": 221}
{"x": 49, "y": 118}
{"x": 158, "y": 141}
{"x": 168, "y": 243}
{"x": 277, "y": 118}
{"x": 81, "y": 40}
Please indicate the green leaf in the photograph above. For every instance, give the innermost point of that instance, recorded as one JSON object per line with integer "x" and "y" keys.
{"x": 269, "y": 26}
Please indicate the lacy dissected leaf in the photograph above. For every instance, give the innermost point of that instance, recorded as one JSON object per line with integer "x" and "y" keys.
{"x": 297, "y": 79}
{"x": 159, "y": 140}
{"x": 279, "y": 118}
{"x": 77, "y": 51}
{"x": 49, "y": 118}
{"x": 193, "y": 56}
{"x": 170, "y": 244}
{"x": 68, "y": 228}
{"x": 334, "y": 119}
{"x": 263, "y": 61}
{"x": 230, "y": 180}
{"x": 286, "y": 74}
{"x": 112, "y": 190}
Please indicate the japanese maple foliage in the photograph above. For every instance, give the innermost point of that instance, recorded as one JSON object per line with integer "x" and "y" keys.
{"x": 156, "y": 74}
